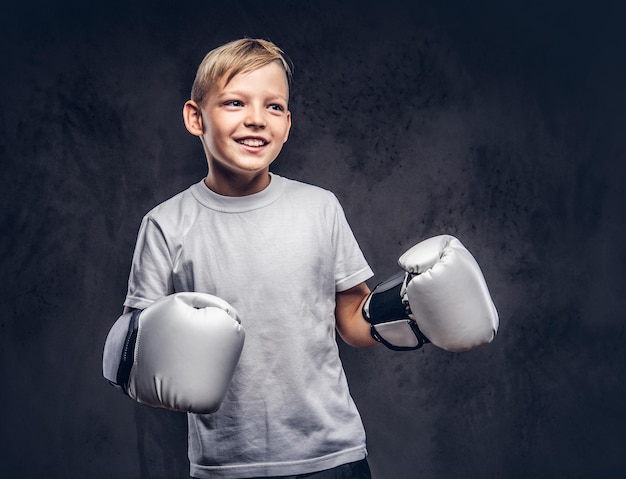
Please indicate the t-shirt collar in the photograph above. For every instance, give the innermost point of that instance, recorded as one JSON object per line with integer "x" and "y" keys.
{"x": 239, "y": 204}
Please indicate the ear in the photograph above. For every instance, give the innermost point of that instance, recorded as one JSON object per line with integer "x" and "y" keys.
{"x": 192, "y": 115}
{"x": 288, "y": 127}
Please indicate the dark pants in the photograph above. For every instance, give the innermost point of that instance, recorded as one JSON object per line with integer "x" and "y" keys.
{"x": 353, "y": 470}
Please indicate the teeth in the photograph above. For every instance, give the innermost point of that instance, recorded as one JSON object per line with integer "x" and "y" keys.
{"x": 252, "y": 142}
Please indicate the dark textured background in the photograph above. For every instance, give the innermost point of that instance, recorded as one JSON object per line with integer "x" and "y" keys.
{"x": 501, "y": 122}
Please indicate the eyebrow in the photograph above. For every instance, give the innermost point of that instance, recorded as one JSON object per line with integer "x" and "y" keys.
{"x": 242, "y": 93}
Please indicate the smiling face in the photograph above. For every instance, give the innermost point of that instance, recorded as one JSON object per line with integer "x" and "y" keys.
{"x": 243, "y": 125}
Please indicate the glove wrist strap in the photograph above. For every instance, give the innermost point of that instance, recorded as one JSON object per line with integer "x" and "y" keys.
{"x": 389, "y": 316}
{"x": 128, "y": 354}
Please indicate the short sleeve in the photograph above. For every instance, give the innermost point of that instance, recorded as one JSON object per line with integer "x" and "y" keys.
{"x": 151, "y": 269}
{"x": 351, "y": 267}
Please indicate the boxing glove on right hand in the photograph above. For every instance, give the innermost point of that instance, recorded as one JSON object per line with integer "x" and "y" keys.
{"x": 180, "y": 353}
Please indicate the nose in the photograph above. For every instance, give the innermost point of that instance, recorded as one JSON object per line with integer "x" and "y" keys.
{"x": 255, "y": 117}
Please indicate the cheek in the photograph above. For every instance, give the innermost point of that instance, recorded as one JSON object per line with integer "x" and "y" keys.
{"x": 218, "y": 134}
{"x": 219, "y": 126}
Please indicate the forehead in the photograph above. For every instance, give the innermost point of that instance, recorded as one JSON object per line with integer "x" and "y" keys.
{"x": 271, "y": 78}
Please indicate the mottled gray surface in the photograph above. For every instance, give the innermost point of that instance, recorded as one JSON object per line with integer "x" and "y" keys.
{"x": 499, "y": 122}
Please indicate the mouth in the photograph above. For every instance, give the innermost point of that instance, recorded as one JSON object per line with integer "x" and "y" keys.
{"x": 252, "y": 142}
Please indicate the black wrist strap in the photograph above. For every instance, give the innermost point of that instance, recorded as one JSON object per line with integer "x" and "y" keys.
{"x": 128, "y": 353}
{"x": 386, "y": 309}
{"x": 385, "y": 303}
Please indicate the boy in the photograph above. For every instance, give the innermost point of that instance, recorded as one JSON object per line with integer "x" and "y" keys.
{"x": 279, "y": 255}
{"x": 279, "y": 251}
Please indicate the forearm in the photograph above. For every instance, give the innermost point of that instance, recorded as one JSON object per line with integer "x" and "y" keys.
{"x": 351, "y": 325}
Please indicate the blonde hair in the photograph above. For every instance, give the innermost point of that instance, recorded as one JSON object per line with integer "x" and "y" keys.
{"x": 235, "y": 57}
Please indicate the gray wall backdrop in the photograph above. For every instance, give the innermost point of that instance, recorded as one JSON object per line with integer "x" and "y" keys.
{"x": 501, "y": 122}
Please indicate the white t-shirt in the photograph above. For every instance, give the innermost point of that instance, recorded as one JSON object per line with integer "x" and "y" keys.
{"x": 278, "y": 256}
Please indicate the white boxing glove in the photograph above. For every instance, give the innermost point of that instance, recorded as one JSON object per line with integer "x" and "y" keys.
{"x": 180, "y": 353}
{"x": 441, "y": 297}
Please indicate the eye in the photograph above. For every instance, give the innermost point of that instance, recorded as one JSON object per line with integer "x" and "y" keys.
{"x": 276, "y": 107}
{"x": 233, "y": 103}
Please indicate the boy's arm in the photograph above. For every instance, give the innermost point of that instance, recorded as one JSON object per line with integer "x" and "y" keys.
{"x": 351, "y": 325}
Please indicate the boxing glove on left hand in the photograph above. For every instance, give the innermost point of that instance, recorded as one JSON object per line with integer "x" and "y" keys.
{"x": 180, "y": 353}
{"x": 441, "y": 297}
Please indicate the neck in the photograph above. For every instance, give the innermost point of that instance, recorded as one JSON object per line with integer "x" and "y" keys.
{"x": 237, "y": 185}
